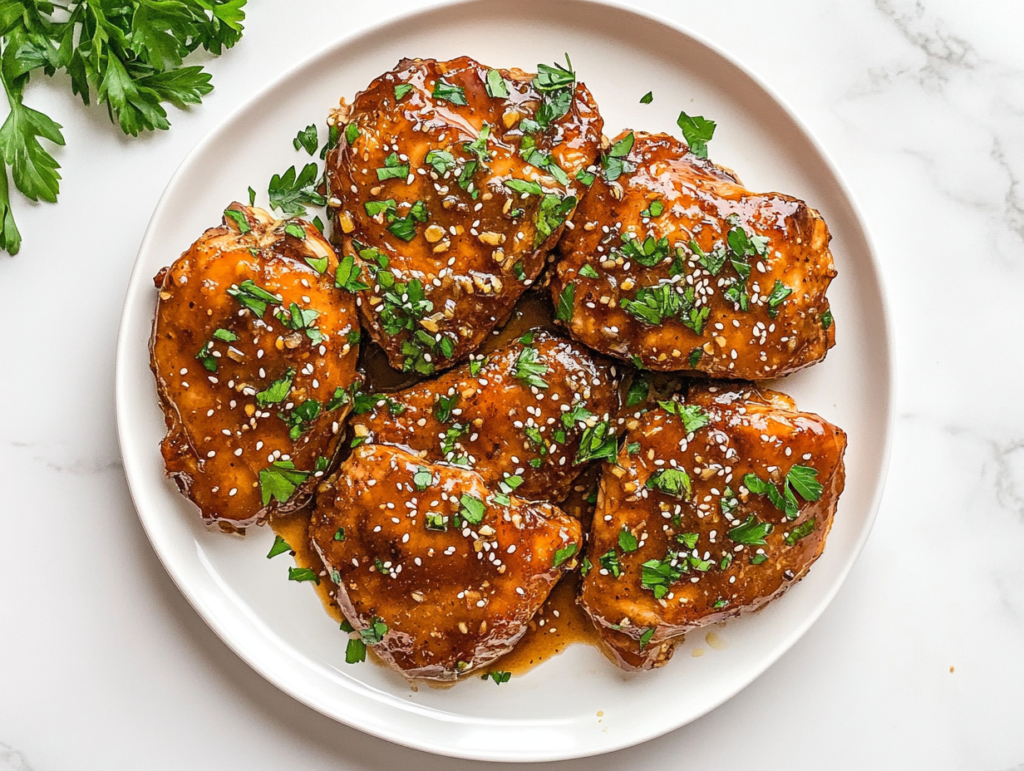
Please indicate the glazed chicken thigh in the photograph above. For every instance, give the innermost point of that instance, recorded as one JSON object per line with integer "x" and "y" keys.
{"x": 673, "y": 264}
{"x": 715, "y": 507}
{"x": 435, "y": 572}
{"x": 449, "y": 185}
{"x": 254, "y": 356}
{"x": 517, "y": 418}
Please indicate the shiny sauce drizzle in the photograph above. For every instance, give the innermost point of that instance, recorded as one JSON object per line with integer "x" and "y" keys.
{"x": 560, "y": 622}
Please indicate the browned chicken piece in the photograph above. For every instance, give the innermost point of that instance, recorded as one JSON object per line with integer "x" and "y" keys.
{"x": 516, "y": 417}
{"x": 449, "y": 185}
{"x": 675, "y": 265}
{"x": 714, "y": 508}
{"x": 434, "y": 572}
{"x": 254, "y": 353}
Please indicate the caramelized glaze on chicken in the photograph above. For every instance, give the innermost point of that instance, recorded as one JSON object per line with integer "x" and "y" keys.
{"x": 516, "y": 417}
{"x": 714, "y": 508}
{"x": 253, "y": 361}
{"x": 450, "y": 184}
{"x": 435, "y": 572}
{"x": 675, "y": 265}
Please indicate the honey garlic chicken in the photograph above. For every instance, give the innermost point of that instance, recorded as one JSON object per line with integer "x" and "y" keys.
{"x": 254, "y": 366}
{"x": 673, "y": 264}
{"x": 715, "y": 507}
{"x": 516, "y": 418}
{"x": 435, "y": 572}
{"x": 449, "y": 184}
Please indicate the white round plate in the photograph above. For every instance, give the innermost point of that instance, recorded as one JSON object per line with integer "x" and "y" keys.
{"x": 578, "y": 703}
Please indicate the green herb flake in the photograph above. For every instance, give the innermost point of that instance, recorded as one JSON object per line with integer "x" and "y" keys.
{"x": 472, "y": 509}
{"x": 498, "y": 676}
{"x": 307, "y": 139}
{"x": 800, "y": 532}
{"x": 277, "y": 391}
{"x": 401, "y": 90}
{"x": 778, "y": 296}
{"x": 339, "y": 534}
{"x": 610, "y": 562}
{"x": 303, "y": 574}
{"x": 448, "y": 92}
{"x": 826, "y": 319}
{"x": 599, "y": 442}
{"x": 280, "y": 547}
{"x": 496, "y": 86}
{"x": 393, "y": 168}
{"x": 627, "y": 541}
{"x": 351, "y": 133}
{"x": 374, "y": 633}
{"x": 529, "y": 368}
{"x": 292, "y": 192}
{"x": 566, "y": 303}
{"x": 655, "y": 209}
{"x": 647, "y": 98}
{"x": 239, "y": 219}
{"x": 422, "y": 479}
{"x": 615, "y": 163}
{"x": 355, "y": 653}
{"x": 697, "y": 131}
{"x": 563, "y": 555}
{"x": 751, "y": 533}
{"x": 671, "y": 481}
{"x": 279, "y": 481}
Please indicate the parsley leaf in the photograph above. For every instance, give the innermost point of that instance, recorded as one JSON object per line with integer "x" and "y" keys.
{"x": 587, "y": 271}
{"x": 280, "y": 547}
{"x": 401, "y": 90}
{"x": 279, "y": 480}
{"x": 778, "y": 296}
{"x": 498, "y": 676}
{"x": 627, "y": 541}
{"x": 307, "y": 139}
{"x": 346, "y": 276}
{"x": 752, "y": 532}
{"x": 563, "y": 555}
{"x": 472, "y": 509}
{"x": 800, "y": 532}
{"x": 496, "y": 86}
{"x": 697, "y": 131}
{"x": 671, "y": 481}
{"x": 599, "y": 442}
{"x": 566, "y": 303}
{"x": 615, "y": 163}
{"x": 448, "y": 92}
{"x": 393, "y": 168}
{"x": 292, "y": 193}
{"x": 529, "y": 368}
{"x": 252, "y": 296}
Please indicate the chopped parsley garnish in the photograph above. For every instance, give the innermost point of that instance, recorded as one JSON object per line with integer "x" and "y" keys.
{"x": 441, "y": 161}
{"x": 422, "y": 479}
{"x": 653, "y": 305}
{"x": 556, "y": 85}
{"x": 649, "y": 252}
{"x": 307, "y": 139}
{"x": 633, "y": 448}
{"x": 655, "y": 209}
{"x": 347, "y": 275}
{"x": 280, "y": 547}
{"x": 639, "y": 389}
{"x": 757, "y": 559}
{"x": 443, "y": 407}
{"x": 752, "y": 532}
{"x": 563, "y": 555}
{"x": 356, "y": 650}
{"x": 585, "y": 177}
{"x": 697, "y": 131}
{"x": 374, "y": 633}
{"x": 647, "y": 98}
{"x": 627, "y": 541}
{"x": 587, "y": 271}
{"x": 478, "y": 147}
{"x": 225, "y": 335}
{"x": 645, "y": 638}
{"x": 778, "y": 296}
{"x": 692, "y": 415}
{"x": 292, "y": 193}
{"x": 671, "y": 481}
{"x": 578, "y": 413}
{"x": 524, "y": 186}
{"x": 351, "y": 133}
{"x": 712, "y": 262}
{"x": 566, "y": 303}
{"x": 449, "y": 92}
{"x": 695, "y": 354}
{"x": 497, "y": 676}
{"x": 303, "y": 574}
{"x": 610, "y": 562}
{"x": 507, "y": 486}
{"x": 405, "y": 227}
{"x": 436, "y": 522}
{"x": 529, "y": 368}
{"x": 720, "y": 604}
{"x": 551, "y": 215}
{"x": 338, "y": 399}
{"x": 826, "y": 319}
{"x": 451, "y": 438}
{"x": 279, "y": 480}
{"x": 541, "y": 160}
{"x": 401, "y": 90}
{"x": 301, "y": 418}
{"x": 393, "y": 168}
{"x": 657, "y": 576}
{"x": 206, "y": 358}
{"x": 319, "y": 264}
{"x": 615, "y": 163}
{"x": 472, "y": 509}
{"x": 277, "y": 391}
{"x": 599, "y": 442}
{"x": 496, "y": 86}
{"x": 239, "y": 219}
{"x": 519, "y": 271}
{"x": 689, "y": 540}
{"x": 800, "y": 532}
{"x": 802, "y": 479}
{"x": 339, "y": 534}
{"x": 255, "y": 298}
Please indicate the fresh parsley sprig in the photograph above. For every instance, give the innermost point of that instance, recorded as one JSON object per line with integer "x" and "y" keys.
{"x": 126, "y": 54}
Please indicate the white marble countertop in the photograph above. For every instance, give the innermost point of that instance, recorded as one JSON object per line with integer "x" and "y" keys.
{"x": 919, "y": 662}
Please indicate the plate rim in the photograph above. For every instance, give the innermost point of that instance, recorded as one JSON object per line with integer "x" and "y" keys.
{"x": 122, "y": 384}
